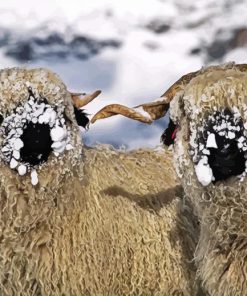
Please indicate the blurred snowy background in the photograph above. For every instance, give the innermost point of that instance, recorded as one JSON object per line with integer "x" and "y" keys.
{"x": 131, "y": 50}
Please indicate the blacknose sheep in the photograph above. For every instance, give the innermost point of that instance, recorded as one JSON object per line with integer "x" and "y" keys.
{"x": 209, "y": 111}
{"x": 83, "y": 221}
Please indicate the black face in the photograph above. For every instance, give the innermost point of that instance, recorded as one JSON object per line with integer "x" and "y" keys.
{"x": 81, "y": 117}
{"x": 228, "y": 159}
{"x": 37, "y": 143}
{"x": 169, "y": 134}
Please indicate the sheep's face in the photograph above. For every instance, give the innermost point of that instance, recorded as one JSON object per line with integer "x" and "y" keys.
{"x": 211, "y": 140}
{"x": 38, "y": 122}
{"x": 212, "y": 118}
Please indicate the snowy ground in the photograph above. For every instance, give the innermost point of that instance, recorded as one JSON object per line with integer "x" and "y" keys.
{"x": 131, "y": 50}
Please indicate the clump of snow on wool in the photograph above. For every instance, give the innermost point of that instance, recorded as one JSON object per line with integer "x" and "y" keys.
{"x": 36, "y": 111}
{"x": 204, "y": 172}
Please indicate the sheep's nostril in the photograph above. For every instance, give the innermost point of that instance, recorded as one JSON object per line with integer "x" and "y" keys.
{"x": 37, "y": 143}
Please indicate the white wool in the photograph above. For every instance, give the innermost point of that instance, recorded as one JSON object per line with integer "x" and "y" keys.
{"x": 22, "y": 169}
{"x": 204, "y": 172}
{"x": 211, "y": 141}
{"x": 13, "y": 163}
{"x": 34, "y": 177}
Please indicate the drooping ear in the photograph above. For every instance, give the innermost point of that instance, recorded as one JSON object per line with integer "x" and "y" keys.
{"x": 80, "y": 100}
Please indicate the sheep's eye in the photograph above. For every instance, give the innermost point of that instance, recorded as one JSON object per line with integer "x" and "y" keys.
{"x": 81, "y": 117}
{"x": 1, "y": 119}
{"x": 169, "y": 134}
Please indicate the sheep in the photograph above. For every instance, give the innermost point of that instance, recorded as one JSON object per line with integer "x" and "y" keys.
{"x": 209, "y": 110}
{"x": 84, "y": 221}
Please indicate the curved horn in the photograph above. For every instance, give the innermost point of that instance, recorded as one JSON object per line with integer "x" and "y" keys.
{"x": 241, "y": 67}
{"x": 148, "y": 112}
{"x": 79, "y": 101}
{"x": 172, "y": 90}
{"x": 115, "y": 109}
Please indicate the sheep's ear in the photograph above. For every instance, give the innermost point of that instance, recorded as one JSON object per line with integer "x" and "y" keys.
{"x": 79, "y": 101}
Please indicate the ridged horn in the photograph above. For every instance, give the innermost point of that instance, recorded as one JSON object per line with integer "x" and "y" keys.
{"x": 148, "y": 112}
{"x": 81, "y": 99}
{"x": 151, "y": 111}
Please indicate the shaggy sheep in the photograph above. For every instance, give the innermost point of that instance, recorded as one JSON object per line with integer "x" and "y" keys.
{"x": 209, "y": 108}
{"x": 88, "y": 221}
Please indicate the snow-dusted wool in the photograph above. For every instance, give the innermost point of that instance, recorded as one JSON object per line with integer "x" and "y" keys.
{"x": 31, "y": 132}
{"x": 92, "y": 221}
{"x": 209, "y": 108}
{"x": 221, "y": 147}
{"x": 210, "y": 157}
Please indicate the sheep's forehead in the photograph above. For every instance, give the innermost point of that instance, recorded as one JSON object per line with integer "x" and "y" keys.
{"x": 15, "y": 84}
{"x": 216, "y": 90}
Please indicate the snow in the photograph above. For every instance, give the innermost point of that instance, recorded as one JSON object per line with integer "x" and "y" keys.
{"x": 231, "y": 135}
{"x": 69, "y": 147}
{"x": 204, "y": 172}
{"x": 34, "y": 178}
{"x": 211, "y": 141}
{"x": 142, "y": 68}
{"x": 15, "y": 123}
{"x": 13, "y": 163}
{"x": 57, "y": 133}
{"x": 16, "y": 154}
{"x": 22, "y": 169}
{"x": 18, "y": 144}
{"x": 143, "y": 112}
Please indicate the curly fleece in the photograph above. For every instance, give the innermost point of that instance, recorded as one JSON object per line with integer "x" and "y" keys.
{"x": 221, "y": 254}
{"x": 99, "y": 222}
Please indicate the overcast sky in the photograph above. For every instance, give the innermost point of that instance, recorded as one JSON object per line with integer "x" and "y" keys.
{"x": 158, "y": 42}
